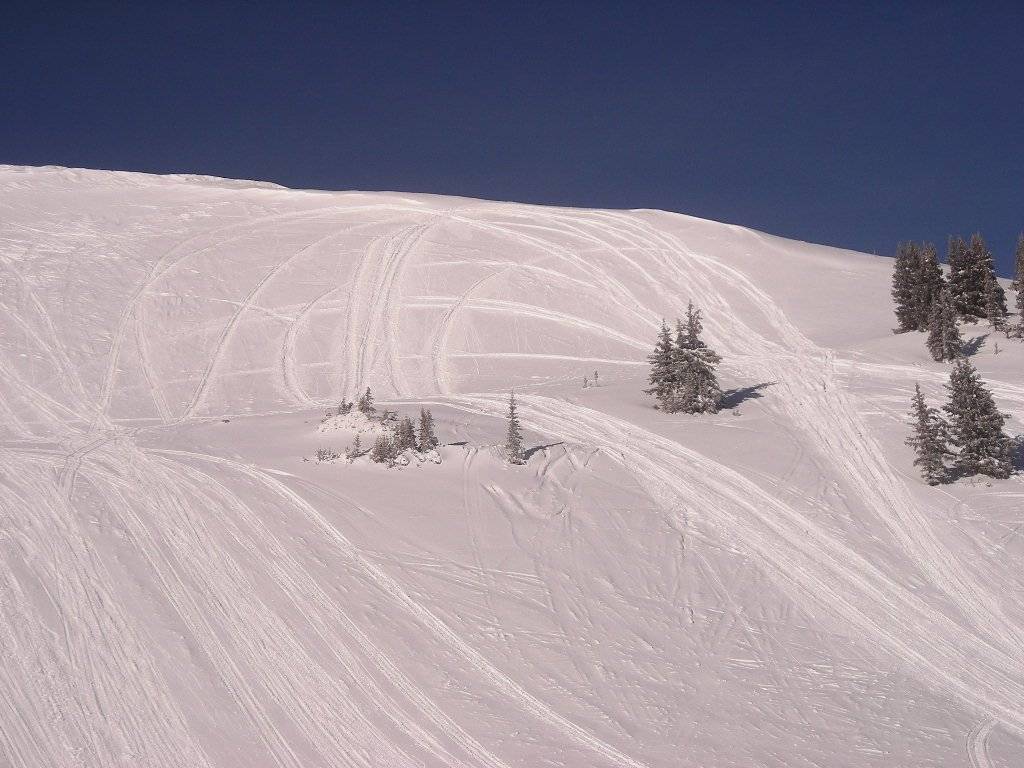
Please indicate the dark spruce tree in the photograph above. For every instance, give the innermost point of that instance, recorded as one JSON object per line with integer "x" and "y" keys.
{"x": 966, "y": 280}
{"x": 944, "y": 341}
{"x": 405, "y": 435}
{"x": 930, "y": 284}
{"x": 906, "y": 287}
{"x": 662, "y": 376}
{"x": 1018, "y": 285}
{"x": 697, "y": 390}
{"x": 976, "y": 426}
{"x": 995, "y": 302}
{"x": 985, "y": 266}
{"x": 928, "y": 439}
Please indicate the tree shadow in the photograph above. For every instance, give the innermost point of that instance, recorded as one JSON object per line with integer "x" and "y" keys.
{"x": 733, "y": 397}
{"x": 530, "y": 451}
{"x": 974, "y": 345}
{"x": 1018, "y": 453}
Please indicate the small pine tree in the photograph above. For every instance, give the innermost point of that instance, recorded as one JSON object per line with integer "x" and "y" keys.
{"x": 944, "y": 341}
{"x": 514, "y": 436}
{"x": 976, "y": 426}
{"x": 698, "y": 390}
{"x": 906, "y": 286}
{"x": 662, "y": 375}
{"x": 405, "y": 435}
{"x": 427, "y": 440}
{"x": 928, "y": 439}
{"x": 356, "y": 449}
{"x": 365, "y": 403}
{"x": 384, "y": 450}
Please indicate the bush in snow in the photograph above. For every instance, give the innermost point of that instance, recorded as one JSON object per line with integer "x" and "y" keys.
{"x": 326, "y": 454}
{"x": 384, "y": 450}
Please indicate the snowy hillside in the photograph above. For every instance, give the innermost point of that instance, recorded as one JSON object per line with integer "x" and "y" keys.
{"x": 772, "y": 585}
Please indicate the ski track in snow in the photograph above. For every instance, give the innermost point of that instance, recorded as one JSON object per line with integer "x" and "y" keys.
{"x": 977, "y": 744}
{"x": 80, "y": 687}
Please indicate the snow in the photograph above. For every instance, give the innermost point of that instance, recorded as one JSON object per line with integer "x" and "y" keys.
{"x": 772, "y": 585}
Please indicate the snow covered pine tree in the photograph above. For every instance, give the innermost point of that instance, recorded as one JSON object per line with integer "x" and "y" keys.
{"x": 662, "y": 376}
{"x": 928, "y": 439}
{"x": 514, "y": 435}
{"x": 694, "y": 363}
{"x": 975, "y": 426}
{"x": 944, "y": 341}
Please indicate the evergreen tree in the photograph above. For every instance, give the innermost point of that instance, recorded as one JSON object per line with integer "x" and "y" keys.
{"x": 365, "y": 404}
{"x": 384, "y": 450}
{"x": 966, "y": 280}
{"x": 985, "y": 266}
{"x": 930, "y": 284}
{"x": 1018, "y": 284}
{"x": 662, "y": 375}
{"x": 694, "y": 362}
{"x": 928, "y": 439}
{"x": 944, "y": 340}
{"x": 1018, "y": 271}
{"x": 514, "y": 435}
{"x": 405, "y": 435}
{"x": 356, "y": 449}
{"x": 995, "y": 302}
{"x": 975, "y": 426}
{"x": 427, "y": 440}
{"x": 906, "y": 287}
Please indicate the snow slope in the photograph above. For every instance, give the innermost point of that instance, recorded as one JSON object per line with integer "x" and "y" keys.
{"x": 770, "y": 586}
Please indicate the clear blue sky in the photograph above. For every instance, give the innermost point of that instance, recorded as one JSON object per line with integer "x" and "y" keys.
{"x": 856, "y": 125}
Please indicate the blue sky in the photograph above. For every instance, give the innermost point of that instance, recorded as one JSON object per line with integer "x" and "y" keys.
{"x": 852, "y": 124}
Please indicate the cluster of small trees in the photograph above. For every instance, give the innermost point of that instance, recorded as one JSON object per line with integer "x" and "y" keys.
{"x": 682, "y": 374}
{"x": 970, "y": 436}
{"x": 400, "y": 435}
{"x": 925, "y": 300}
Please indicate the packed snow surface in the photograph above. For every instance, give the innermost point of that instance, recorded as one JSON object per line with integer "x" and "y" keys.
{"x": 180, "y": 585}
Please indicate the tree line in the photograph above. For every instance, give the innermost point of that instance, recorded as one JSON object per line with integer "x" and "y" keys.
{"x": 926, "y": 300}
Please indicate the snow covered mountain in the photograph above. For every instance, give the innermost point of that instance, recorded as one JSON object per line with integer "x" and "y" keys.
{"x": 771, "y": 586}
